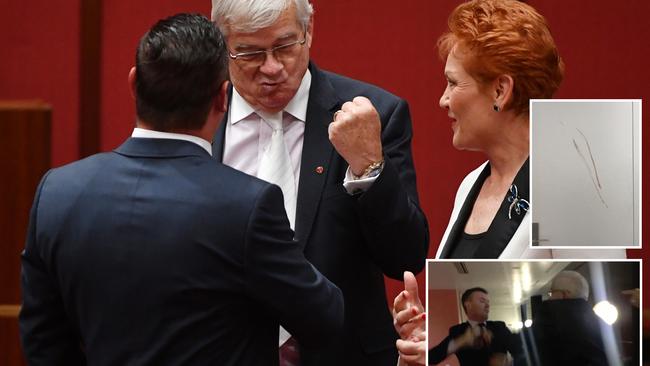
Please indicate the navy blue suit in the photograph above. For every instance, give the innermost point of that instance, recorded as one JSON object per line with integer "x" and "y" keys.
{"x": 155, "y": 254}
{"x": 568, "y": 333}
{"x": 356, "y": 240}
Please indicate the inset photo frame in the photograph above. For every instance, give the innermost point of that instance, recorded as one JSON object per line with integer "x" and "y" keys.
{"x": 585, "y": 173}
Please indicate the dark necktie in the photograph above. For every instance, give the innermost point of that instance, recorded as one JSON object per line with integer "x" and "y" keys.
{"x": 289, "y": 354}
{"x": 481, "y": 339}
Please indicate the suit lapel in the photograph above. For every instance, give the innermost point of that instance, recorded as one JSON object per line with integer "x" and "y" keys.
{"x": 316, "y": 151}
{"x": 503, "y": 228}
{"x": 218, "y": 142}
{"x": 464, "y": 213}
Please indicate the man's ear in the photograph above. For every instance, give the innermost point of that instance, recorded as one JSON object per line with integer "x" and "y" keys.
{"x": 132, "y": 82}
{"x": 503, "y": 87}
{"x": 221, "y": 101}
{"x": 310, "y": 31}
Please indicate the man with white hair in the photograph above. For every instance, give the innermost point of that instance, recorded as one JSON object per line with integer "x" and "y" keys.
{"x": 340, "y": 150}
{"x": 566, "y": 330}
{"x": 569, "y": 285}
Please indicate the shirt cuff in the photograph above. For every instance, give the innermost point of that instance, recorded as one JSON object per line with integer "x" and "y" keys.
{"x": 284, "y": 336}
{"x": 354, "y": 186}
{"x": 451, "y": 347}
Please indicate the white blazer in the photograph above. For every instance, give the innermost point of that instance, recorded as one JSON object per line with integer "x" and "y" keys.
{"x": 518, "y": 246}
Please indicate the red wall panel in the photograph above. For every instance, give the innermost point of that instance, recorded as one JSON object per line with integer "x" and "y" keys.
{"x": 40, "y": 60}
{"x": 443, "y": 313}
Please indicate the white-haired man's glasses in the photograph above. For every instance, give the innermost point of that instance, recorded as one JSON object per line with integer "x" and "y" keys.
{"x": 281, "y": 53}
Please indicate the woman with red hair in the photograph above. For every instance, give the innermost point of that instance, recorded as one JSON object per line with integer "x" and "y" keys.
{"x": 499, "y": 55}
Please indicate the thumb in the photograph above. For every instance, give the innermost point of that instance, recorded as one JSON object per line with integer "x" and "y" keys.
{"x": 411, "y": 285}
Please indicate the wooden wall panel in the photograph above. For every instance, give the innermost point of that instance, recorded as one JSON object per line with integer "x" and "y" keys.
{"x": 24, "y": 158}
{"x": 89, "y": 77}
{"x": 10, "y": 352}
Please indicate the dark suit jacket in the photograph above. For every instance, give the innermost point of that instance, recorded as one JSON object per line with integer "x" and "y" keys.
{"x": 567, "y": 332}
{"x": 355, "y": 240}
{"x": 502, "y": 342}
{"x": 155, "y": 254}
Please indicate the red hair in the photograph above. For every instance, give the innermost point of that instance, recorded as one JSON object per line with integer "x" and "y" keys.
{"x": 505, "y": 37}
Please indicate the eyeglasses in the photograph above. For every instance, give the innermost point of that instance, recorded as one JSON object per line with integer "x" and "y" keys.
{"x": 552, "y": 291}
{"x": 281, "y": 53}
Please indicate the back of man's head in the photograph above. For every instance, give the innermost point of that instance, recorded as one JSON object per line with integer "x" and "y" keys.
{"x": 571, "y": 285}
{"x": 181, "y": 63}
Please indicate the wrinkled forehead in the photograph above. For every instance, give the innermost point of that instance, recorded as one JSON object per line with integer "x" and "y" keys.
{"x": 458, "y": 60}
{"x": 285, "y": 29}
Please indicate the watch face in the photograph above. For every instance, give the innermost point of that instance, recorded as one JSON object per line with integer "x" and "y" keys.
{"x": 372, "y": 171}
{"x": 375, "y": 172}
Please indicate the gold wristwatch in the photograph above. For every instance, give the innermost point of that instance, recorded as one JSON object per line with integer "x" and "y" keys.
{"x": 372, "y": 170}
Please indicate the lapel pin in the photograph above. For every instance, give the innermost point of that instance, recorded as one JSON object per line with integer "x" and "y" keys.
{"x": 320, "y": 170}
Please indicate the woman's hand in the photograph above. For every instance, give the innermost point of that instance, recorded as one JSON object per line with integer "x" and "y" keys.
{"x": 409, "y": 320}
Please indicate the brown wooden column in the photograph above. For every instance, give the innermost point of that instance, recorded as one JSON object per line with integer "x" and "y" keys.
{"x": 24, "y": 158}
{"x": 90, "y": 42}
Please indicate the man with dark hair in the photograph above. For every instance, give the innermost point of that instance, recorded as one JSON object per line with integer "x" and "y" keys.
{"x": 154, "y": 253}
{"x": 478, "y": 341}
{"x": 465, "y": 297}
{"x": 175, "y": 82}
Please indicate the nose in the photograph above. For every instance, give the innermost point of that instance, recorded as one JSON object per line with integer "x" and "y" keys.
{"x": 444, "y": 100}
{"x": 271, "y": 65}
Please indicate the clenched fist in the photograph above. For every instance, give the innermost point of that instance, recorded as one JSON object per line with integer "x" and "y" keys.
{"x": 356, "y": 134}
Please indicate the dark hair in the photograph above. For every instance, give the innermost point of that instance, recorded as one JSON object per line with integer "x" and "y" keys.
{"x": 180, "y": 64}
{"x": 469, "y": 293}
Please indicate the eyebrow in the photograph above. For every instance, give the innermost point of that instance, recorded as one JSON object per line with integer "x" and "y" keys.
{"x": 449, "y": 73}
{"x": 278, "y": 41}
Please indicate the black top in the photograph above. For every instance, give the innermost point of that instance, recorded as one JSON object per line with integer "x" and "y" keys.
{"x": 492, "y": 242}
{"x": 468, "y": 244}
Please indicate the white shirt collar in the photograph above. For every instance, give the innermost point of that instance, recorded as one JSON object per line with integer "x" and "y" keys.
{"x": 297, "y": 107}
{"x": 151, "y": 134}
{"x": 474, "y": 323}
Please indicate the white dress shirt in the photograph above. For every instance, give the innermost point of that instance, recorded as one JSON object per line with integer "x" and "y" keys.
{"x": 248, "y": 136}
{"x": 151, "y": 134}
